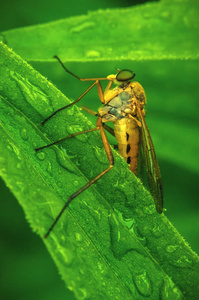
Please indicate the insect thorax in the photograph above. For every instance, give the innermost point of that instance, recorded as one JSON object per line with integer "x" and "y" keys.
{"x": 124, "y": 105}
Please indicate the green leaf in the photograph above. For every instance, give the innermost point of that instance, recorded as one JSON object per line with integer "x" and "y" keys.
{"x": 110, "y": 243}
{"x": 159, "y": 30}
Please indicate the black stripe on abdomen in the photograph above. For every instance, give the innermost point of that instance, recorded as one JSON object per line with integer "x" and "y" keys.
{"x": 128, "y": 160}
{"x": 128, "y": 148}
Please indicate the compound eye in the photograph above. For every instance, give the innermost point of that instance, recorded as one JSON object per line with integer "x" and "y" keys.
{"x": 125, "y": 75}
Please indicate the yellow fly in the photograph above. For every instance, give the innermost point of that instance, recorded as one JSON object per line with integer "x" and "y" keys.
{"x": 124, "y": 106}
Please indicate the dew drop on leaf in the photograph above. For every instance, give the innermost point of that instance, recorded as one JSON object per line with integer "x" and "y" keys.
{"x": 20, "y": 185}
{"x": 76, "y": 183}
{"x": 24, "y": 134}
{"x": 67, "y": 255}
{"x": 82, "y": 26}
{"x": 19, "y": 166}
{"x": 59, "y": 184}
{"x": 32, "y": 94}
{"x": 156, "y": 230}
{"x": 92, "y": 54}
{"x": 73, "y": 129}
{"x": 41, "y": 155}
{"x": 81, "y": 293}
{"x": 131, "y": 224}
{"x": 14, "y": 149}
{"x": 49, "y": 168}
{"x": 143, "y": 284}
{"x": 78, "y": 237}
{"x": 100, "y": 155}
{"x": 134, "y": 228}
{"x": 77, "y": 128}
{"x": 71, "y": 285}
{"x": 149, "y": 209}
{"x": 100, "y": 267}
{"x": 65, "y": 163}
{"x": 171, "y": 248}
{"x": 169, "y": 291}
{"x": 166, "y": 15}
{"x": 182, "y": 262}
{"x": 70, "y": 111}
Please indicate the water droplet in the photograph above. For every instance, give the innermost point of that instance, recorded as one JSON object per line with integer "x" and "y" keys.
{"x": 100, "y": 154}
{"x": 132, "y": 226}
{"x": 81, "y": 293}
{"x": 65, "y": 163}
{"x": 41, "y": 155}
{"x": 119, "y": 245}
{"x": 143, "y": 284}
{"x": 156, "y": 230}
{"x": 126, "y": 221}
{"x": 71, "y": 285}
{"x": 24, "y": 134}
{"x": 20, "y": 185}
{"x": 100, "y": 267}
{"x": 78, "y": 237}
{"x": 169, "y": 291}
{"x": 49, "y": 168}
{"x": 166, "y": 15}
{"x": 171, "y": 248}
{"x": 76, "y": 183}
{"x": 35, "y": 145}
{"x": 83, "y": 26}
{"x": 59, "y": 184}
{"x": 149, "y": 209}
{"x": 93, "y": 54}
{"x": 75, "y": 129}
{"x": 81, "y": 271}
{"x": 70, "y": 111}
{"x": 182, "y": 262}
{"x": 66, "y": 254}
{"x": 33, "y": 94}
{"x": 14, "y": 149}
{"x": 19, "y": 166}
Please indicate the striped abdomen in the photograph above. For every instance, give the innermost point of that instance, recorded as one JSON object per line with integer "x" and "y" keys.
{"x": 127, "y": 135}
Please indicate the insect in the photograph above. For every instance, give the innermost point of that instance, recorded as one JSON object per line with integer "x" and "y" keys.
{"x": 124, "y": 106}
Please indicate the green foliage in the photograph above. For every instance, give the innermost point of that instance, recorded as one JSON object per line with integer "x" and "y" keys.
{"x": 142, "y": 32}
{"x": 111, "y": 243}
{"x": 107, "y": 248}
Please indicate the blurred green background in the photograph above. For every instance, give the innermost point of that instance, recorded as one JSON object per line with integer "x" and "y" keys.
{"x": 27, "y": 271}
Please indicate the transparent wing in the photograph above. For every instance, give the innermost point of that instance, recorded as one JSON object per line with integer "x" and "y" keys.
{"x": 151, "y": 163}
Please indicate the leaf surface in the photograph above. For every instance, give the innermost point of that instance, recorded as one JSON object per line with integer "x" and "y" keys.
{"x": 167, "y": 29}
{"x": 110, "y": 243}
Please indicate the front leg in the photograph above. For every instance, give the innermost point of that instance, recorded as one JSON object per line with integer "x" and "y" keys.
{"x": 108, "y": 93}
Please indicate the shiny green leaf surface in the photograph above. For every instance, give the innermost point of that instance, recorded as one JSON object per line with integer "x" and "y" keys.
{"x": 119, "y": 233}
{"x": 158, "y": 30}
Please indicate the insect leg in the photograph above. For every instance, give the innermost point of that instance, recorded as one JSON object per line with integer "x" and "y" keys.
{"x": 109, "y": 129}
{"x": 82, "y": 79}
{"x": 67, "y": 137}
{"x": 90, "y": 111}
{"x": 111, "y": 161}
{"x": 77, "y": 100}
{"x": 94, "y": 113}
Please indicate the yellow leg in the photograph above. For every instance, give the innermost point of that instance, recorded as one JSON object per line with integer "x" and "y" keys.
{"x": 72, "y": 103}
{"x": 87, "y": 185}
{"x": 69, "y": 136}
{"x": 94, "y": 113}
